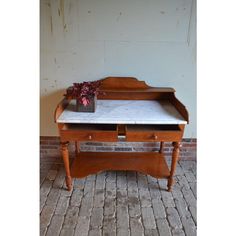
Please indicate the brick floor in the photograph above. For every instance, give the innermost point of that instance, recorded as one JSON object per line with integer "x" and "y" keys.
{"x": 117, "y": 203}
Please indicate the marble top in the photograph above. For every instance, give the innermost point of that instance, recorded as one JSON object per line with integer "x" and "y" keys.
{"x": 124, "y": 112}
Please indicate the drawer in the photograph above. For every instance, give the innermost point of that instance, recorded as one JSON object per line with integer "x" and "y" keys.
{"x": 153, "y": 133}
{"x": 89, "y": 132}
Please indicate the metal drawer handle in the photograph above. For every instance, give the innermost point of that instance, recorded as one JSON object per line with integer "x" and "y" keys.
{"x": 155, "y": 136}
{"x": 90, "y": 137}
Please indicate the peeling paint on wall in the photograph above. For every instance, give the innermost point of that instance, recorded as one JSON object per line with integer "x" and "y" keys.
{"x": 51, "y": 25}
{"x": 62, "y": 13}
{"x": 189, "y": 26}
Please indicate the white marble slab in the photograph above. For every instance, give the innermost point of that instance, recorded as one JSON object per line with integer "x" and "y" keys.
{"x": 125, "y": 112}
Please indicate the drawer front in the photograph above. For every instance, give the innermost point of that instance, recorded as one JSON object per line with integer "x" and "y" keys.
{"x": 155, "y": 136}
{"x": 90, "y": 135}
{"x": 153, "y": 133}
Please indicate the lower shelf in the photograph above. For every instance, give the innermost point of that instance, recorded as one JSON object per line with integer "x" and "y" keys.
{"x": 87, "y": 163}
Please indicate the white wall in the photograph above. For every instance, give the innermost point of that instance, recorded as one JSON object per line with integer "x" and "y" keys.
{"x": 153, "y": 40}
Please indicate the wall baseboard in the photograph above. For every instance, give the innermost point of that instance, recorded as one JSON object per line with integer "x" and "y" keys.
{"x": 50, "y": 147}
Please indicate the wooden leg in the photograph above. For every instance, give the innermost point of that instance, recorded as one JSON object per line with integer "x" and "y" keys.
{"x": 161, "y": 147}
{"x": 76, "y": 148}
{"x": 175, "y": 157}
{"x": 65, "y": 156}
{"x": 180, "y": 145}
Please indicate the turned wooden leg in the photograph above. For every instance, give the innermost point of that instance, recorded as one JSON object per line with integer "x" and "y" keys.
{"x": 180, "y": 145}
{"x": 161, "y": 147}
{"x": 175, "y": 157}
{"x": 65, "y": 156}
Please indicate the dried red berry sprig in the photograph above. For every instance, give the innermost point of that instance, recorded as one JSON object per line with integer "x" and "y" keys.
{"x": 84, "y": 91}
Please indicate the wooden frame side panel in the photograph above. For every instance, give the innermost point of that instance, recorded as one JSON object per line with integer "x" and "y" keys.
{"x": 60, "y": 108}
{"x": 179, "y": 106}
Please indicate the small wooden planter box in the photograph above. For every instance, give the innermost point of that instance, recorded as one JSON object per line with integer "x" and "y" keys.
{"x": 91, "y": 107}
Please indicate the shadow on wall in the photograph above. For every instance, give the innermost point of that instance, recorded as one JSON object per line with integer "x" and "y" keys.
{"x": 48, "y": 105}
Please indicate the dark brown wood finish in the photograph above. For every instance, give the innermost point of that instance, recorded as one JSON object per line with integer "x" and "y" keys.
{"x": 153, "y": 163}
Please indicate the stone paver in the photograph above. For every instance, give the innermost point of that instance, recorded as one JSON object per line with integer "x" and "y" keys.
{"x": 182, "y": 207}
{"x": 193, "y": 187}
{"x": 173, "y": 218}
{"x": 189, "y": 226}
{"x": 134, "y": 203}
{"x": 44, "y": 191}
{"x": 188, "y": 196}
{"x": 167, "y": 199}
{"x": 71, "y": 217}
{"x": 76, "y": 197}
{"x": 62, "y": 205}
{"x": 95, "y": 232}
{"x": 123, "y": 232}
{"x": 163, "y": 227}
{"x": 136, "y": 226}
{"x": 110, "y": 207}
{"x": 45, "y": 218}
{"x": 145, "y": 198}
{"x": 121, "y": 180}
{"x": 122, "y": 203}
{"x": 153, "y": 188}
{"x": 67, "y": 231}
{"x": 148, "y": 218}
{"x": 109, "y": 226}
{"x": 178, "y": 232}
{"x": 122, "y": 216}
{"x": 96, "y": 217}
{"x": 82, "y": 227}
{"x": 55, "y": 225}
{"x": 193, "y": 210}
{"x": 158, "y": 208}
{"x": 53, "y": 197}
{"x": 79, "y": 183}
{"x": 86, "y": 206}
{"x": 60, "y": 178}
{"x": 151, "y": 232}
{"x": 99, "y": 197}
